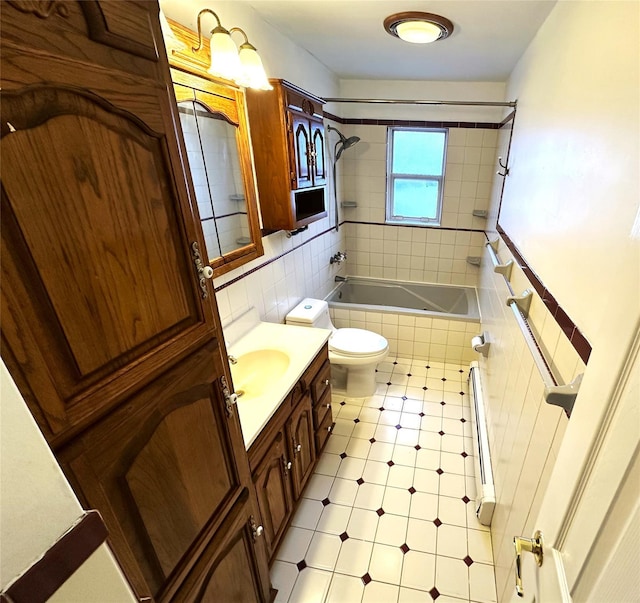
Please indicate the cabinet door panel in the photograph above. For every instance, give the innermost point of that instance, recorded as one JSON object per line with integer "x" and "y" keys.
{"x": 318, "y": 141}
{"x": 161, "y": 468}
{"x": 302, "y": 148}
{"x": 273, "y": 488}
{"x": 301, "y": 437}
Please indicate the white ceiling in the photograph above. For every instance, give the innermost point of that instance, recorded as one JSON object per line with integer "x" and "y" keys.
{"x": 348, "y": 37}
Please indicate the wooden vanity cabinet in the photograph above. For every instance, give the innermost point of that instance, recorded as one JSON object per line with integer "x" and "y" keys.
{"x": 289, "y": 148}
{"x": 109, "y": 327}
{"x": 303, "y": 448}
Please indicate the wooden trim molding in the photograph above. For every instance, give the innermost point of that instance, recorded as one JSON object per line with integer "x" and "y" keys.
{"x": 59, "y": 562}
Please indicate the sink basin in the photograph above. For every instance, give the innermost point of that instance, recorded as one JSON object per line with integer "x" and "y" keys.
{"x": 256, "y": 371}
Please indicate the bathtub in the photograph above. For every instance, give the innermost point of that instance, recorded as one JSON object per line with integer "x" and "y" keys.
{"x": 420, "y": 320}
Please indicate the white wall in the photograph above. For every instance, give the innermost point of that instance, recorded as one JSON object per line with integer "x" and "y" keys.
{"x": 37, "y": 506}
{"x": 569, "y": 204}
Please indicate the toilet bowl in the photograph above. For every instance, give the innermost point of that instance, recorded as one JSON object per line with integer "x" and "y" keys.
{"x": 353, "y": 353}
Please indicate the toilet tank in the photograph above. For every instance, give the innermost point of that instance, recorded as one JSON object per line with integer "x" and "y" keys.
{"x": 310, "y": 313}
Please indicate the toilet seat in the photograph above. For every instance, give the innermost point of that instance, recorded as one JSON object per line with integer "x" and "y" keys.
{"x": 357, "y": 343}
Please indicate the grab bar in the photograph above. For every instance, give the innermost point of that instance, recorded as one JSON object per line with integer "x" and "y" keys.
{"x": 503, "y": 269}
{"x": 558, "y": 395}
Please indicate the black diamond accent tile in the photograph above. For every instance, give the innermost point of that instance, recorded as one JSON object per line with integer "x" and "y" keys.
{"x": 404, "y": 397}
{"x": 412, "y": 490}
{"x": 398, "y": 426}
{"x": 342, "y": 403}
{"x": 463, "y": 420}
{"x": 464, "y": 455}
{"x": 439, "y": 471}
{"x": 418, "y": 447}
{"x": 359, "y": 481}
{"x": 372, "y": 440}
{"x": 441, "y": 432}
{"x": 394, "y": 362}
{"x": 390, "y": 463}
{"x": 442, "y": 403}
{"x": 461, "y": 393}
{"x": 425, "y": 388}
{"x": 409, "y": 375}
{"x": 344, "y": 536}
{"x": 380, "y": 512}
{"x": 301, "y": 565}
{"x": 326, "y": 502}
{"x": 421, "y": 414}
{"x": 443, "y": 379}
{"x": 366, "y": 579}
{"x": 356, "y": 420}
{"x": 466, "y": 499}
{"x": 468, "y": 560}
{"x": 343, "y": 455}
{"x": 434, "y": 593}
{"x": 381, "y": 408}
{"x": 389, "y": 383}
{"x": 437, "y": 522}
{"x": 405, "y": 548}
{"x": 461, "y": 371}
{"x": 428, "y": 367}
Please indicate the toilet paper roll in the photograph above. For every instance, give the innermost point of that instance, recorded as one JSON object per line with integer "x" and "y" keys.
{"x": 477, "y": 343}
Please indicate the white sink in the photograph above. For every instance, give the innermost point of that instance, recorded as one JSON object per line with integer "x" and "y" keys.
{"x": 258, "y": 370}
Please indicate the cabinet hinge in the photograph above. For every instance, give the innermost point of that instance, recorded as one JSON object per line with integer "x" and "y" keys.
{"x": 229, "y": 398}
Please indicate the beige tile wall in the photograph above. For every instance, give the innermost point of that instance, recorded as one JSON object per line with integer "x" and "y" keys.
{"x": 524, "y": 431}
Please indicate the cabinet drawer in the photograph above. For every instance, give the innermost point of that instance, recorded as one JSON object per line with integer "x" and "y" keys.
{"x": 323, "y": 431}
{"x": 321, "y": 384}
{"x": 322, "y": 408}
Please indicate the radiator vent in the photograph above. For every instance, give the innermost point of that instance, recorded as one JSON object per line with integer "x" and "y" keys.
{"x": 485, "y": 491}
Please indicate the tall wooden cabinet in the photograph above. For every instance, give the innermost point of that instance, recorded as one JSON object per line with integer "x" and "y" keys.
{"x": 109, "y": 326}
{"x": 289, "y": 149}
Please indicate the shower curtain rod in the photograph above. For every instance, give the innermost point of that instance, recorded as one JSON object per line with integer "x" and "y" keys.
{"x": 388, "y": 101}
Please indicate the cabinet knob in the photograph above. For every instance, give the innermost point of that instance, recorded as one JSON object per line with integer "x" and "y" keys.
{"x": 256, "y": 530}
{"x": 289, "y": 466}
{"x": 329, "y": 429}
{"x": 329, "y": 405}
{"x": 326, "y": 381}
{"x": 298, "y": 447}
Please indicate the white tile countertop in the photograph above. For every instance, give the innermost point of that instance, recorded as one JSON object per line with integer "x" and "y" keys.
{"x": 300, "y": 344}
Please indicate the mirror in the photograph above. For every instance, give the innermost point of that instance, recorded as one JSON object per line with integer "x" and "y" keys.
{"x": 214, "y": 125}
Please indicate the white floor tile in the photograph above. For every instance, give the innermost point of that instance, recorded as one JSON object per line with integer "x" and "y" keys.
{"x": 354, "y": 557}
{"x": 397, "y": 501}
{"x": 452, "y": 541}
{"x": 369, "y": 415}
{"x": 334, "y": 519}
{"x": 358, "y": 448}
{"x": 482, "y": 583}
{"x": 400, "y": 476}
{"x": 375, "y": 472}
{"x": 283, "y": 577}
{"x": 308, "y": 513}
{"x": 452, "y": 577}
{"x": 381, "y": 451}
{"x": 427, "y": 458}
{"x": 343, "y": 427}
{"x": 452, "y": 485}
{"x": 369, "y": 496}
{"x": 452, "y": 463}
{"x": 337, "y": 444}
{"x": 389, "y": 417}
{"x": 392, "y": 530}
{"x": 318, "y": 486}
{"x": 430, "y": 440}
{"x": 392, "y": 403}
{"x": 386, "y": 563}
{"x": 294, "y": 545}
{"x": 408, "y": 437}
{"x": 424, "y": 506}
{"x": 363, "y": 524}
{"x": 311, "y": 586}
{"x": 431, "y": 423}
{"x": 343, "y": 491}
{"x": 351, "y": 468}
{"x": 404, "y": 455}
{"x": 364, "y": 431}
{"x": 378, "y": 592}
{"x": 348, "y": 412}
{"x": 410, "y": 420}
{"x": 413, "y": 405}
{"x": 421, "y": 535}
{"x": 345, "y": 589}
{"x": 409, "y": 595}
{"x": 452, "y": 426}
{"x": 323, "y": 551}
{"x": 453, "y": 511}
{"x": 480, "y": 549}
{"x": 328, "y": 464}
{"x": 426, "y": 480}
{"x": 418, "y": 571}
{"x": 452, "y": 443}
{"x": 472, "y": 518}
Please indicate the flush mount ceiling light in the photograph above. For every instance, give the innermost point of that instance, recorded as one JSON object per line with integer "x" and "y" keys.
{"x": 417, "y": 27}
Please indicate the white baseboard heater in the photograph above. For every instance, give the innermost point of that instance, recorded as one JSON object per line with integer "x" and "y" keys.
{"x": 485, "y": 491}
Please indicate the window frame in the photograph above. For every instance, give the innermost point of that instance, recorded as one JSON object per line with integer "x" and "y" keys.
{"x": 390, "y": 217}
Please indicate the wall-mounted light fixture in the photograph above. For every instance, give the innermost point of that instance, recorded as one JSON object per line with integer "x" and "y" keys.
{"x": 418, "y": 27}
{"x": 244, "y": 67}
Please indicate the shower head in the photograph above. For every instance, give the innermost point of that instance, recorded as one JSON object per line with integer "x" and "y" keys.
{"x": 346, "y": 144}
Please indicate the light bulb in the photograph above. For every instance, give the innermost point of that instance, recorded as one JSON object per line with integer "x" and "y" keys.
{"x": 224, "y": 55}
{"x": 252, "y": 71}
{"x": 418, "y": 32}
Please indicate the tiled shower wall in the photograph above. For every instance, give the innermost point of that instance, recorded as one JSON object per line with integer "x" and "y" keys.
{"x": 524, "y": 431}
{"x": 419, "y": 254}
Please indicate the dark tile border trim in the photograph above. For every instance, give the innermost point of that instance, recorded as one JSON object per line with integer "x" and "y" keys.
{"x": 413, "y": 123}
{"x": 59, "y": 562}
{"x": 577, "y": 339}
{"x": 273, "y": 259}
{"x": 414, "y": 226}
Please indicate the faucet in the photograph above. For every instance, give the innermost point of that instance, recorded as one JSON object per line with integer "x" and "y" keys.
{"x": 340, "y": 279}
{"x": 338, "y": 258}
{"x": 233, "y": 359}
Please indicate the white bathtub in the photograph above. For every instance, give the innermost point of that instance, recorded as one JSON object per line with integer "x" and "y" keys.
{"x": 420, "y": 320}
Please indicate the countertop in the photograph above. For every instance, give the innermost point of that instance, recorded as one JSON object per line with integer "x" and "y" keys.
{"x": 301, "y": 344}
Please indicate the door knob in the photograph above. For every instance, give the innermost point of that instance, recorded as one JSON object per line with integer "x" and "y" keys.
{"x": 533, "y": 545}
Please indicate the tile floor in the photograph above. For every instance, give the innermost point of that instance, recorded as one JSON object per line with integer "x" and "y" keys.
{"x": 388, "y": 516}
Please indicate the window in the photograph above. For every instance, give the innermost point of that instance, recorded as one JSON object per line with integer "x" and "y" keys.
{"x": 415, "y": 173}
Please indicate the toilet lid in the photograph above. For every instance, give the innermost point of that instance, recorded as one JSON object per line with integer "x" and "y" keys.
{"x": 357, "y": 342}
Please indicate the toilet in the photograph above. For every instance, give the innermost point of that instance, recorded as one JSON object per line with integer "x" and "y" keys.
{"x": 353, "y": 353}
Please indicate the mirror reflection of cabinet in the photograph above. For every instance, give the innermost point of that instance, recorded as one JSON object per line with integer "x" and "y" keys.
{"x": 212, "y": 115}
